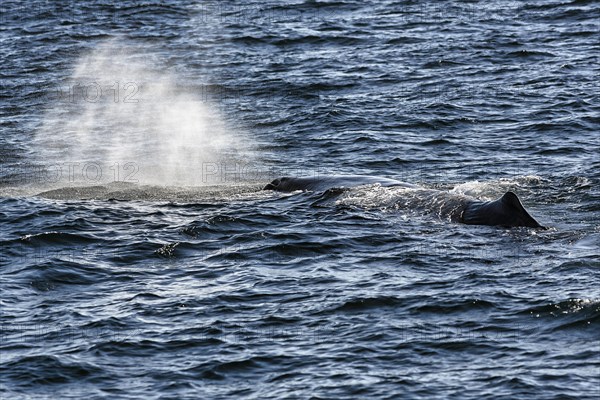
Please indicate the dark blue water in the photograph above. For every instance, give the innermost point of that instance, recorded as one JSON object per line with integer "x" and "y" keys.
{"x": 139, "y": 259}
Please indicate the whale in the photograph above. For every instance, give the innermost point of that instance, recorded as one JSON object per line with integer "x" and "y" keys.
{"x": 506, "y": 211}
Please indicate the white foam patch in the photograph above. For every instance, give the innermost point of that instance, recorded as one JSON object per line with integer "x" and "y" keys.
{"x": 490, "y": 190}
{"x": 375, "y": 197}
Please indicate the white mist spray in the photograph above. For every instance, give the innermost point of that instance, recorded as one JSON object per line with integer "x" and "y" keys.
{"x": 119, "y": 119}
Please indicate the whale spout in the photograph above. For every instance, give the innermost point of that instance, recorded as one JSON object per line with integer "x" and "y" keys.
{"x": 506, "y": 211}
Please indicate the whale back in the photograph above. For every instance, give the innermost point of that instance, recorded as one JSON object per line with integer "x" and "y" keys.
{"x": 506, "y": 211}
{"x": 323, "y": 183}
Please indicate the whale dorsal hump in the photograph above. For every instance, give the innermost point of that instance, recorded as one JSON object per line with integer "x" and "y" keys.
{"x": 511, "y": 201}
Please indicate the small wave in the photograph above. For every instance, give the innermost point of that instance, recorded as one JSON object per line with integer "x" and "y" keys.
{"x": 404, "y": 40}
{"x": 368, "y": 303}
{"x": 575, "y": 313}
{"x": 441, "y": 64}
{"x": 299, "y": 249}
{"x": 49, "y": 276}
{"x": 217, "y": 224}
{"x": 248, "y": 40}
{"x": 145, "y": 296}
{"x": 436, "y": 142}
{"x": 152, "y": 9}
{"x": 561, "y": 150}
{"x": 45, "y": 369}
{"x": 55, "y": 237}
{"x": 529, "y": 54}
{"x": 463, "y": 305}
{"x": 311, "y": 39}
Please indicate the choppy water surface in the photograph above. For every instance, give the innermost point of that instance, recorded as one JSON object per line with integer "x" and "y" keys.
{"x": 141, "y": 260}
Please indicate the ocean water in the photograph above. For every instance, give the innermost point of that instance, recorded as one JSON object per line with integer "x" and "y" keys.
{"x": 140, "y": 259}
